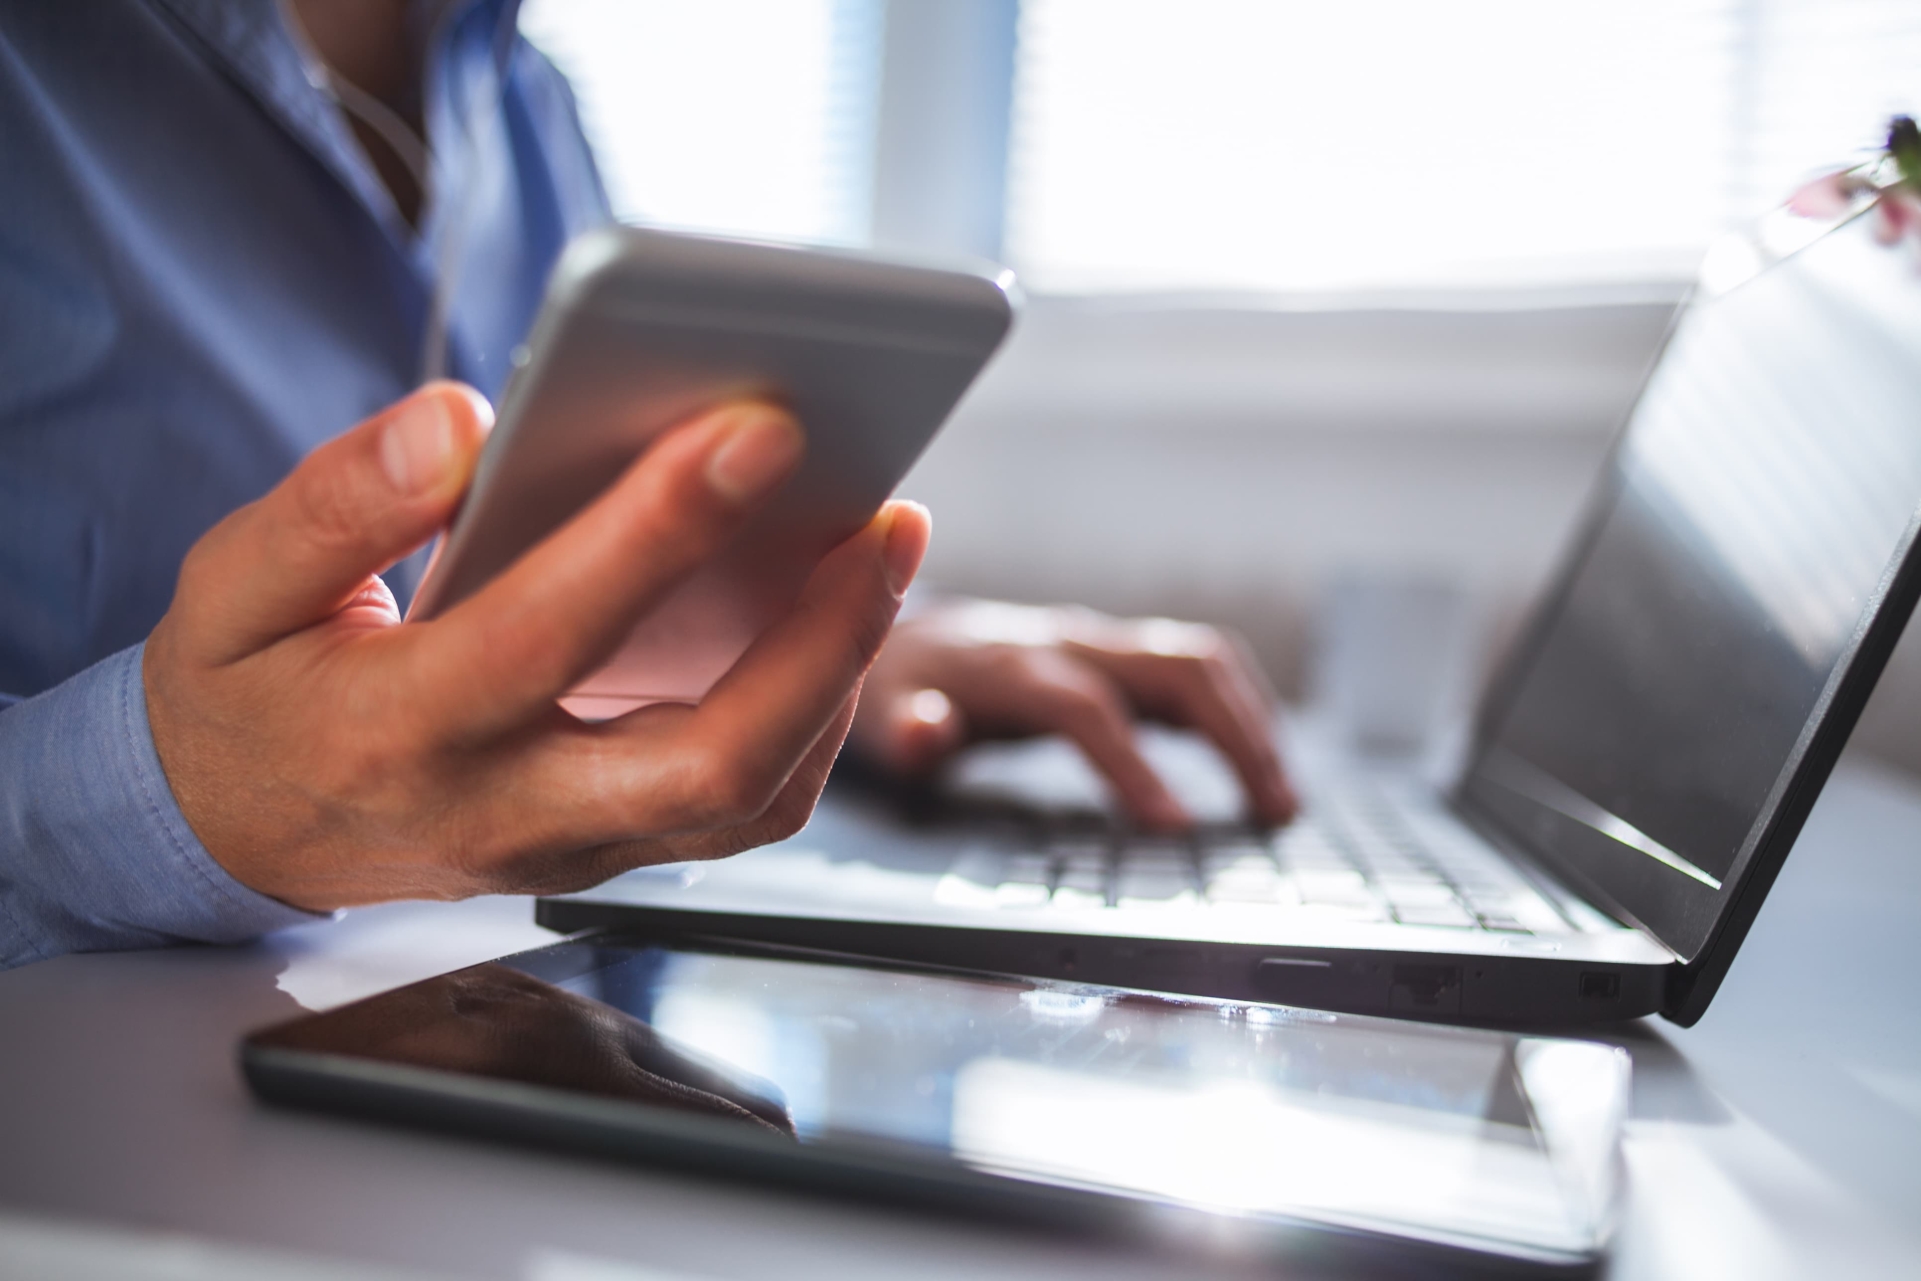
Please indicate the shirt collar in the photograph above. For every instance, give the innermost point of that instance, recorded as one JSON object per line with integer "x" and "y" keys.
{"x": 251, "y": 42}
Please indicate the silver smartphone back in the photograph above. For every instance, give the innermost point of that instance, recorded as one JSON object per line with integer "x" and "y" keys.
{"x": 641, "y": 329}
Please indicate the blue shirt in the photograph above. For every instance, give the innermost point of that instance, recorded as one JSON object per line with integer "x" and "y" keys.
{"x": 201, "y": 279}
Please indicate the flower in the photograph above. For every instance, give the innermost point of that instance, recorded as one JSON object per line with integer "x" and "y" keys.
{"x": 1892, "y": 180}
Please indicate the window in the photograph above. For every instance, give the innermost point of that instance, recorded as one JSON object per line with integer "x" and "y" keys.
{"x": 1288, "y": 143}
{"x": 746, "y": 117}
{"x": 1236, "y": 144}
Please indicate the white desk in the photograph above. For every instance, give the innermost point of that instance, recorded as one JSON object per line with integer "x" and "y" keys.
{"x": 1781, "y": 1137}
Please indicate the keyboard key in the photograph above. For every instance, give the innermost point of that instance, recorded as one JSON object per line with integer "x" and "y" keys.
{"x": 1249, "y": 873}
{"x": 1525, "y": 907}
{"x": 980, "y": 867}
{"x": 1492, "y": 884}
{"x": 1413, "y": 878}
{"x": 1146, "y": 853}
{"x": 1302, "y": 845}
{"x": 1235, "y": 851}
{"x": 1413, "y": 891}
{"x": 1323, "y": 885}
{"x": 1069, "y": 896}
{"x": 1240, "y": 887}
{"x": 1158, "y": 885}
{"x": 1084, "y": 880}
{"x": 1076, "y": 851}
{"x": 1026, "y": 868}
{"x": 1257, "y": 864}
{"x": 1147, "y": 882}
{"x": 1154, "y": 874}
{"x": 1020, "y": 894}
{"x": 1398, "y": 869}
{"x": 1373, "y": 851}
{"x": 1487, "y": 881}
{"x": 1503, "y": 923}
{"x": 1143, "y": 844}
{"x": 1450, "y": 914}
{"x": 1084, "y": 863}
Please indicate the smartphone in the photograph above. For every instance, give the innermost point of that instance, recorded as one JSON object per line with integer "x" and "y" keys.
{"x": 1220, "y": 1124}
{"x": 640, "y": 330}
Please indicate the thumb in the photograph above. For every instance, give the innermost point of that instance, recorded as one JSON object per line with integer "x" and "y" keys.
{"x": 353, "y": 507}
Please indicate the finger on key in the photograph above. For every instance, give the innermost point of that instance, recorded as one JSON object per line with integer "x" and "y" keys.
{"x": 1197, "y": 676}
{"x": 1070, "y": 697}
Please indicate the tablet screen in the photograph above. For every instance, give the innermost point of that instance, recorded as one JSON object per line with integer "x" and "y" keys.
{"x": 1252, "y": 1111}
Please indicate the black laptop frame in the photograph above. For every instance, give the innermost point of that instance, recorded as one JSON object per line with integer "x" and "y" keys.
{"x": 1705, "y": 927}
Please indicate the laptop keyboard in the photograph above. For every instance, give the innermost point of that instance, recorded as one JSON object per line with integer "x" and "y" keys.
{"x": 1357, "y": 857}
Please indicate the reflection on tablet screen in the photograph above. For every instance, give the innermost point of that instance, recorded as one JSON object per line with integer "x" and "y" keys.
{"x": 1248, "y": 1110}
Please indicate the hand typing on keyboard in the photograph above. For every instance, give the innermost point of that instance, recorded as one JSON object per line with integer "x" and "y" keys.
{"x": 967, "y": 670}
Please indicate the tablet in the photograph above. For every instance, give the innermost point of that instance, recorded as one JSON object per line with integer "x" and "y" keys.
{"x": 641, "y": 330}
{"x": 1222, "y": 1124}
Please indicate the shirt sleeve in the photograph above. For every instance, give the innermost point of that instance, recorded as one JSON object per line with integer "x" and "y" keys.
{"x": 94, "y": 852}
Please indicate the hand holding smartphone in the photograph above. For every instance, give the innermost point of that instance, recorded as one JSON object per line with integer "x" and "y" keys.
{"x": 326, "y": 755}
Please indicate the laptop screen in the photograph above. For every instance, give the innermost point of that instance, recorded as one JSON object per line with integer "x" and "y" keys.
{"x": 1757, "y": 506}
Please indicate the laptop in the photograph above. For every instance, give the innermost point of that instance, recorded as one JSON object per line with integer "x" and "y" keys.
{"x": 1637, "y": 770}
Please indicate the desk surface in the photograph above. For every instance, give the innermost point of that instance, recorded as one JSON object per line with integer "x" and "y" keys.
{"x": 1775, "y": 1139}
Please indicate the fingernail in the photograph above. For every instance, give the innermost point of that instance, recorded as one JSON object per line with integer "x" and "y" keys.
{"x": 761, "y": 448}
{"x": 903, "y": 550}
{"x": 417, "y": 447}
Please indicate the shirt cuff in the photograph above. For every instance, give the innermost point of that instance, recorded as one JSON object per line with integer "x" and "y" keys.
{"x": 94, "y": 851}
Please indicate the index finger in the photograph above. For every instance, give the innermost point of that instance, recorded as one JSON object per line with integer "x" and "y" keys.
{"x": 1207, "y": 684}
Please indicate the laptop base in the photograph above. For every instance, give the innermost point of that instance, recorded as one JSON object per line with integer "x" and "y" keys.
{"x": 1439, "y": 986}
